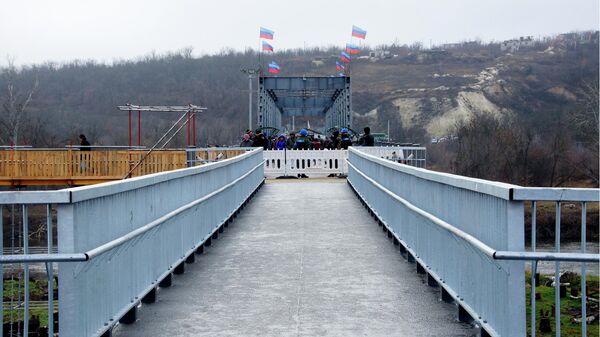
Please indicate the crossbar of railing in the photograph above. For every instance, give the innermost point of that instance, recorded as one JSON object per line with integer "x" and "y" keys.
{"x": 476, "y": 243}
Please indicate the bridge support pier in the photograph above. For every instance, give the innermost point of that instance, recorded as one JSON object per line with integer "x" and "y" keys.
{"x": 150, "y": 297}
{"x": 402, "y": 250}
{"x": 420, "y": 269}
{"x": 180, "y": 269}
{"x": 200, "y": 250}
{"x": 410, "y": 258}
{"x": 396, "y": 242}
{"x": 215, "y": 235}
{"x": 389, "y": 234}
{"x": 107, "y": 333}
{"x": 130, "y": 316}
{"x": 208, "y": 242}
{"x": 221, "y": 229}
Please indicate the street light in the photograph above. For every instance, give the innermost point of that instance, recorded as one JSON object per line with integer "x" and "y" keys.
{"x": 250, "y": 72}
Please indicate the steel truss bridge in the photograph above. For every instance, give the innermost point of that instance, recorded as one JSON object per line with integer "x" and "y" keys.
{"x": 329, "y": 97}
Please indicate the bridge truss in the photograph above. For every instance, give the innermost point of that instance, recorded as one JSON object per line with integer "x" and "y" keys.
{"x": 330, "y": 97}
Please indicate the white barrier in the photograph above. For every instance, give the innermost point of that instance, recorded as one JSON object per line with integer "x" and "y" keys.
{"x": 308, "y": 162}
{"x": 316, "y": 163}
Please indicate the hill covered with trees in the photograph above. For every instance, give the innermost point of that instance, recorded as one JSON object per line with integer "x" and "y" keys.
{"x": 524, "y": 111}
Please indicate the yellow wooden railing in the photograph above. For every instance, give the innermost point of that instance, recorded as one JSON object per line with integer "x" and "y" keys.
{"x": 74, "y": 167}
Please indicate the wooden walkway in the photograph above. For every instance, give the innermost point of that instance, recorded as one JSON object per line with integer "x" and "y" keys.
{"x": 71, "y": 167}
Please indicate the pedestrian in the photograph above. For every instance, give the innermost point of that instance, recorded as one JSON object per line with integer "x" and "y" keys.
{"x": 291, "y": 141}
{"x": 345, "y": 140}
{"x": 84, "y": 144}
{"x": 246, "y": 142}
{"x": 367, "y": 139}
{"x": 281, "y": 142}
{"x": 302, "y": 142}
{"x": 335, "y": 140}
{"x": 260, "y": 140}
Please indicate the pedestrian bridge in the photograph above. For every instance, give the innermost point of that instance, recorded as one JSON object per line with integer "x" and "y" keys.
{"x": 140, "y": 257}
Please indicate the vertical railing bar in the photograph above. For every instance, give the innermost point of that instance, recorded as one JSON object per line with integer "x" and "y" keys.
{"x": 583, "y": 277}
{"x": 50, "y": 273}
{"x": 26, "y": 276}
{"x": 2, "y": 273}
{"x": 557, "y": 272}
{"x": 533, "y": 266}
{"x": 12, "y": 277}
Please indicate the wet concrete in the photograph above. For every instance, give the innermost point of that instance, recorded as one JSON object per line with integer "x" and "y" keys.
{"x": 303, "y": 259}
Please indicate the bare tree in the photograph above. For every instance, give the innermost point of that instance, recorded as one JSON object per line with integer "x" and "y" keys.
{"x": 586, "y": 120}
{"x": 14, "y": 104}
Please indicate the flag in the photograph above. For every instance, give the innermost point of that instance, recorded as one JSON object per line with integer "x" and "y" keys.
{"x": 274, "y": 68}
{"x": 339, "y": 66}
{"x": 266, "y": 46}
{"x": 352, "y": 48}
{"x": 345, "y": 57}
{"x": 358, "y": 32}
{"x": 266, "y": 33}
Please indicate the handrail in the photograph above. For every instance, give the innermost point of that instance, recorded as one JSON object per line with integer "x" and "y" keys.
{"x": 90, "y": 254}
{"x": 481, "y": 246}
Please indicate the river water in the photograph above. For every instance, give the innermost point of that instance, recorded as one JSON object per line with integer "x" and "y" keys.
{"x": 546, "y": 267}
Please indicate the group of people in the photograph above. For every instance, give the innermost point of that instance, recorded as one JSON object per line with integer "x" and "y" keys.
{"x": 303, "y": 141}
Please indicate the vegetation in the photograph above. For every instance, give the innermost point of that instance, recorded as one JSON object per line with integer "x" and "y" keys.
{"x": 528, "y": 117}
{"x": 570, "y": 307}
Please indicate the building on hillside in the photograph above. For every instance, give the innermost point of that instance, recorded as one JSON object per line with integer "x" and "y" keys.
{"x": 380, "y": 54}
{"x": 512, "y": 46}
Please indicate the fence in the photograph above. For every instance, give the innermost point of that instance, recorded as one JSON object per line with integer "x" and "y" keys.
{"x": 117, "y": 241}
{"x": 199, "y": 156}
{"x": 326, "y": 162}
{"x": 60, "y": 166}
{"x": 466, "y": 234}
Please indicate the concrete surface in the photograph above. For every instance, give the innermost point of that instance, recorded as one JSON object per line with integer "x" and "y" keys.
{"x": 303, "y": 259}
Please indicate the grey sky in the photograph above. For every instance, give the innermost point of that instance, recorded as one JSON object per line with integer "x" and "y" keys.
{"x": 34, "y": 31}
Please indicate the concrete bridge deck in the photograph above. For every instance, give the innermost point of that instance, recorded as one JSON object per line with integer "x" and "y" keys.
{"x": 303, "y": 259}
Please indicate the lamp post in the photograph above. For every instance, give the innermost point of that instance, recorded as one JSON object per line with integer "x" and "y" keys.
{"x": 250, "y": 72}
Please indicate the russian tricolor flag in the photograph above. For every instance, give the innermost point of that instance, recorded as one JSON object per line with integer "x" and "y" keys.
{"x": 345, "y": 57}
{"x": 274, "y": 68}
{"x": 352, "y": 48}
{"x": 266, "y": 33}
{"x": 266, "y": 46}
{"x": 359, "y": 32}
{"x": 339, "y": 66}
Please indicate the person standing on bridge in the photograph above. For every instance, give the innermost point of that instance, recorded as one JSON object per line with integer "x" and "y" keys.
{"x": 246, "y": 142}
{"x": 291, "y": 141}
{"x": 260, "y": 140}
{"x": 367, "y": 139}
{"x": 281, "y": 142}
{"x": 302, "y": 142}
{"x": 345, "y": 140}
{"x": 84, "y": 144}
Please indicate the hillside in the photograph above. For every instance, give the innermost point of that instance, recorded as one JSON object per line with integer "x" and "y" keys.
{"x": 425, "y": 93}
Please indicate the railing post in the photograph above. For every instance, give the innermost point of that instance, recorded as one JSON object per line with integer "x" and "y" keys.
{"x": 26, "y": 272}
{"x": 515, "y": 291}
{"x": 50, "y": 273}
{"x": 67, "y": 287}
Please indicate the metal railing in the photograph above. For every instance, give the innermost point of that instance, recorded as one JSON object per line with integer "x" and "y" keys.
{"x": 117, "y": 241}
{"x": 467, "y": 235}
{"x": 203, "y": 155}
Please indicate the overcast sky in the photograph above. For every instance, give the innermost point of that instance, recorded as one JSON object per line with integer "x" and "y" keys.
{"x": 35, "y": 31}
